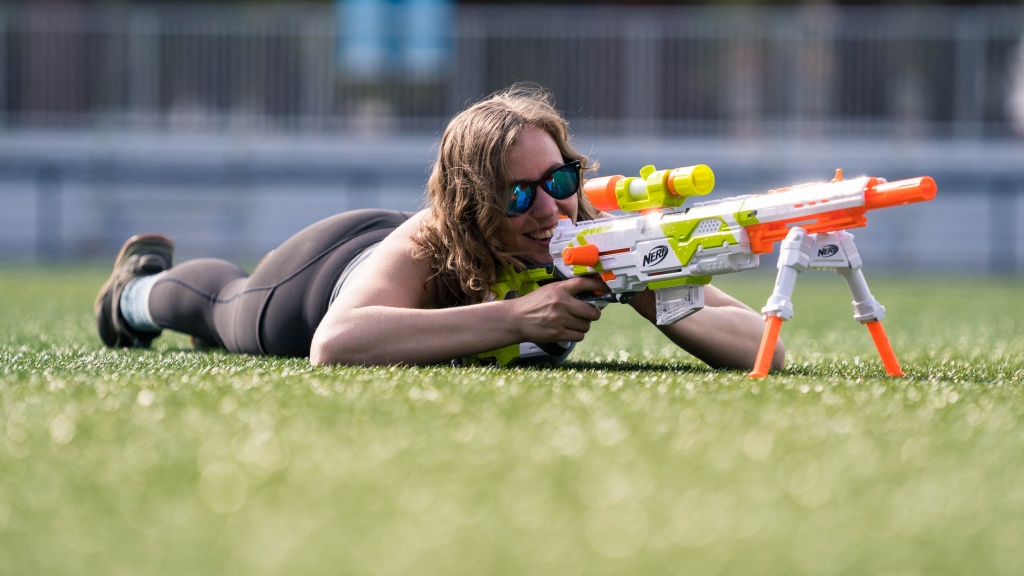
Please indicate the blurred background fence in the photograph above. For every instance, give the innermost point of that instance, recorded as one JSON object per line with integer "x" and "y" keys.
{"x": 816, "y": 70}
{"x": 230, "y": 126}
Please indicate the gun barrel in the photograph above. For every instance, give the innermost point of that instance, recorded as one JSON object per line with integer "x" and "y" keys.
{"x": 888, "y": 194}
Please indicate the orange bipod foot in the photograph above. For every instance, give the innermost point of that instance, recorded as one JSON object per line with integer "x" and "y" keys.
{"x": 767, "y": 349}
{"x": 892, "y": 366}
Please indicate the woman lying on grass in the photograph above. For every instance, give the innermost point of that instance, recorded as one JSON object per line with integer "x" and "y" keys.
{"x": 386, "y": 287}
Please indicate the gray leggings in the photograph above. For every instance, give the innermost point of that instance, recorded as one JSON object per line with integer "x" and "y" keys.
{"x": 276, "y": 310}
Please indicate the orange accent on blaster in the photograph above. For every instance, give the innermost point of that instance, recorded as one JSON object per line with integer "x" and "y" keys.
{"x": 586, "y": 255}
{"x": 601, "y": 192}
{"x": 887, "y": 194}
{"x": 608, "y": 276}
{"x": 892, "y": 365}
{"x": 764, "y": 236}
{"x": 768, "y": 341}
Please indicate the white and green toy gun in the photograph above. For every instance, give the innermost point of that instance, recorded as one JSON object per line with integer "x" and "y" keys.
{"x": 654, "y": 243}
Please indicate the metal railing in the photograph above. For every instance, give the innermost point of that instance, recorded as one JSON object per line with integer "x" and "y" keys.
{"x": 794, "y": 71}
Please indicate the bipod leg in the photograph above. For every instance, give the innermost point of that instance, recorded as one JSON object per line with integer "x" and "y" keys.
{"x": 767, "y": 349}
{"x": 793, "y": 258}
{"x": 885, "y": 351}
{"x": 870, "y": 313}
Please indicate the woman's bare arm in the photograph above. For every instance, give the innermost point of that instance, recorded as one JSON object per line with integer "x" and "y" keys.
{"x": 725, "y": 334}
{"x": 388, "y": 314}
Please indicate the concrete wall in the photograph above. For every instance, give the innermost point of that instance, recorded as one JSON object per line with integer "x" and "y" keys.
{"x": 67, "y": 196}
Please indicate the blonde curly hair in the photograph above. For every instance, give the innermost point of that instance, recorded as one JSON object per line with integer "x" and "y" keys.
{"x": 468, "y": 190}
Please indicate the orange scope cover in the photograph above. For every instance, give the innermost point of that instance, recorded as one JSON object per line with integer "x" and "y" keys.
{"x": 601, "y": 192}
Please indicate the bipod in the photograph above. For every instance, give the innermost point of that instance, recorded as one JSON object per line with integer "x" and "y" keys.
{"x": 801, "y": 251}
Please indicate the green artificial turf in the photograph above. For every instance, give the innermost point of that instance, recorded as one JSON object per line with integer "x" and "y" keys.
{"x": 633, "y": 458}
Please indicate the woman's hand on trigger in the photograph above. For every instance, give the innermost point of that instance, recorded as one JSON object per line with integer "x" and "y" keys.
{"x": 553, "y": 313}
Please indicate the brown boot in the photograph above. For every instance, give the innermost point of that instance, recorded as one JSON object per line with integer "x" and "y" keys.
{"x": 141, "y": 255}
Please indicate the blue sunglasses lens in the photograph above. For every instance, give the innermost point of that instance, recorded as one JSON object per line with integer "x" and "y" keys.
{"x": 563, "y": 182}
{"x": 521, "y": 199}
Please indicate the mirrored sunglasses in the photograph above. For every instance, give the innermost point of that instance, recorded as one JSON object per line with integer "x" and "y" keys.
{"x": 560, "y": 183}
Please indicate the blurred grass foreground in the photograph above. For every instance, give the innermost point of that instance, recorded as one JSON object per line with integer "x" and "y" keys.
{"x": 631, "y": 459}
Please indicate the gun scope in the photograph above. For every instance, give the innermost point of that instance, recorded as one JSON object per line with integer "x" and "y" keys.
{"x": 653, "y": 190}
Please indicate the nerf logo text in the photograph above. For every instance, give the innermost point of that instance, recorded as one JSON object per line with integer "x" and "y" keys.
{"x": 655, "y": 256}
{"x": 827, "y": 250}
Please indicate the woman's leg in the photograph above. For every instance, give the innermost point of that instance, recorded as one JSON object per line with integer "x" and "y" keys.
{"x": 276, "y": 310}
{"x": 195, "y": 298}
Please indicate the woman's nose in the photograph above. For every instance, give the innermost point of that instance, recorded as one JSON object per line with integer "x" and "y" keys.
{"x": 545, "y": 204}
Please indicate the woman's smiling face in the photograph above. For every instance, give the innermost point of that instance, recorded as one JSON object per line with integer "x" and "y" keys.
{"x": 533, "y": 155}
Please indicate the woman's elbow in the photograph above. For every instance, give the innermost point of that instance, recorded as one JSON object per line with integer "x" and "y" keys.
{"x": 326, "y": 349}
{"x": 319, "y": 352}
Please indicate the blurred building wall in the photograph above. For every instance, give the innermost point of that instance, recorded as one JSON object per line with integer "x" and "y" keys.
{"x": 230, "y": 127}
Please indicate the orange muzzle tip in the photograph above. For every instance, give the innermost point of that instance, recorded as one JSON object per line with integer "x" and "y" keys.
{"x": 900, "y": 192}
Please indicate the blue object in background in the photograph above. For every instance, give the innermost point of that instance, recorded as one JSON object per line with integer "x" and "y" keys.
{"x": 428, "y": 37}
{"x": 410, "y": 36}
{"x": 362, "y": 40}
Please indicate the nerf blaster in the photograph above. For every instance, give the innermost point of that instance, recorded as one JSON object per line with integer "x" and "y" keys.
{"x": 674, "y": 251}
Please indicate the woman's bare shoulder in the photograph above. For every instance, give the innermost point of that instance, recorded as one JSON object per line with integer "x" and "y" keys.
{"x": 394, "y": 273}
{"x": 406, "y": 233}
